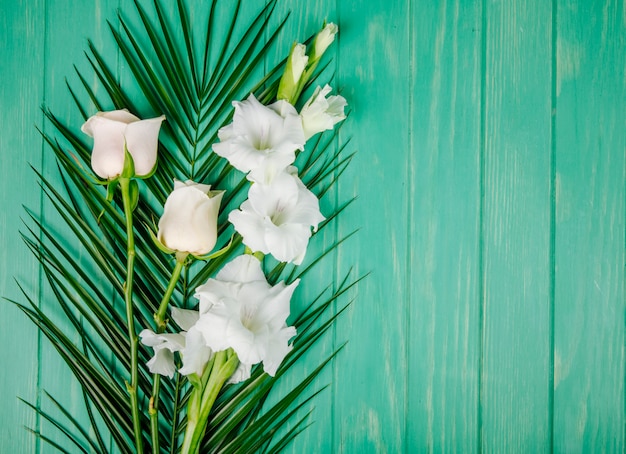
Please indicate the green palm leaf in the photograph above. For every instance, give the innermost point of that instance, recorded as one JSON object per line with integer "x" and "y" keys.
{"x": 193, "y": 82}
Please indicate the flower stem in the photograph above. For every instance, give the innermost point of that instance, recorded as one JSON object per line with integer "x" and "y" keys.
{"x": 159, "y": 316}
{"x": 201, "y": 400}
{"x": 161, "y": 323}
{"x": 130, "y": 320}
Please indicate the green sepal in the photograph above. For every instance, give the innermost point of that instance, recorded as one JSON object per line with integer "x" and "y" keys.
{"x": 149, "y": 174}
{"x": 216, "y": 254}
{"x": 128, "y": 170}
{"x": 196, "y": 382}
{"x": 258, "y": 254}
{"x": 157, "y": 243}
{"x": 111, "y": 187}
{"x": 97, "y": 181}
{"x": 133, "y": 193}
{"x": 182, "y": 257}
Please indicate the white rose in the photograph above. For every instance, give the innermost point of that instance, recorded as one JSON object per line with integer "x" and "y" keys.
{"x": 111, "y": 131}
{"x": 189, "y": 221}
{"x": 321, "y": 113}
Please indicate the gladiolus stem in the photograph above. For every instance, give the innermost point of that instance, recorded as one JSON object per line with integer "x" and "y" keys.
{"x": 201, "y": 400}
{"x": 159, "y": 318}
{"x": 130, "y": 320}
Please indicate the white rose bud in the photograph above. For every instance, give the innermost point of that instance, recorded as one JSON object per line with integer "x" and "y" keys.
{"x": 321, "y": 112}
{"x": 111, "y": 131}
{"x": 189, "y": 221}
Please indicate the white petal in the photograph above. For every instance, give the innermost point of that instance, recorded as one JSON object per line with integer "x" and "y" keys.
{"x": 107, "y": 157}
{"x": 142, "y": 140}
{"x": 275, "y": 310}
{"x": 214, "y": 328}
{"x": 211, "y": 293}
{"x": 205, "y": 188}
{"x": 185, "y": 318}
{"x": 162, "y": 363}
{"x": 336, "y": 105}
{"x": 245, "y": 268}
{"x": 299, "y": 60}
{"x": 272, "y": 199}
{"x": 278, "y": 349}
{"x": 307, "y": 210}
{"x": 273, "y": 164}
{"x": 170, "y": 341}
{"x": 284, "y": 109}
{"x": 288, "y": 242}
{"x": 189, "y": 221}
{"x": 164, "y": 345}
{"x": 123, "y": 116}
{"x": 249, "y": 317}
{"x": 251, "y": 227}
{"x": 245, "y": 343}
{"x": 261, "y": 139}
{"x": 149, "y": 338}
{"x": 320, "y": 114}
{"x": 325, "y": 38}
{"x": 196, "y": 353}
{"x": 242, "y": 373}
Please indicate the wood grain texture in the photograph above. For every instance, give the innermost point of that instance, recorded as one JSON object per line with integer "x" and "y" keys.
{"x": 516, "y": 370}
{"x": 490, "y": 177}
{"x": 589, "y": 246}
{"x": 444, "y": 201}
{"x": 376, "y": 326}
{"x": 21, "y": 93}
{"x": 64, "y": 48}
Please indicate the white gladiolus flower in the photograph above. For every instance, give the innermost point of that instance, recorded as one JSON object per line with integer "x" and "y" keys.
{"x": 189, "y": 342}
{"x": 164, "y": 346}
{"x": 324, "y": 39}
{"x": 321, "y": 112}
{"x": 261, "y": 139}
{"x": 189, "y": 221}
{"x": 277, "y": 218}
{"x": 112, "y": 131}
{"x": 240, "y": 310}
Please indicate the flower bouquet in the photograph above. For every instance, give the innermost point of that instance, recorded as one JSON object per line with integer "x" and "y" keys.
{"x": 190, "y": 232}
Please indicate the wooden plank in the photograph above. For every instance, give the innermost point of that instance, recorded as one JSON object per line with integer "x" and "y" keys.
{"x": 427, "y": 368}
{"x": 371, "y": 374}
{"x": 68, "y": 28}
{"x": 305, "y": 21}
{"x": 589, "y": 254}
{"x": 444, "y": 220}
{"x": 21, "y": 92}
{"x": 516, "y": 371}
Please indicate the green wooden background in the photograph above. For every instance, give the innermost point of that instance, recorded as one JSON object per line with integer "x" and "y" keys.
{"x": 491, "y": 181}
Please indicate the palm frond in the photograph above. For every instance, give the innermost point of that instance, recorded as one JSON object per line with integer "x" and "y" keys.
{"x": 193, "y": 82}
